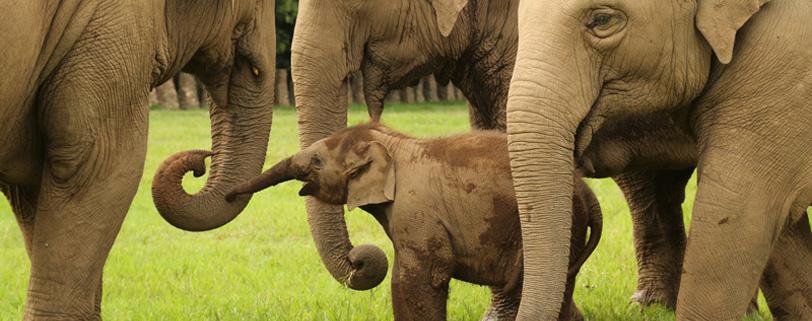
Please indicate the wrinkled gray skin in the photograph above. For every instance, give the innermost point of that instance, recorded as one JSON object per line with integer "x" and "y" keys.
{"x": 73, "y": 92}
{"x": 473, "y": 44}
{"x": 587, "y": 68}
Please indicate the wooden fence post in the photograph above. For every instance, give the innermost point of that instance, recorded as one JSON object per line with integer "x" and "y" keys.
{"x": 282, "y": 96}
{"x": 429, "y": 85}
{"x": 186, "y": 86}
{"x": 168, "y": 96}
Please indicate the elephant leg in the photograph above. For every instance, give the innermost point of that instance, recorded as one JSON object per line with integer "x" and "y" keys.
{"x": 569, "y": 311}
{"x": 787, "y": 281}
{"x": 737, "y": 219}
{"x": 23, "y": 200}
{"x": 95, "y": 150}
{"x": 488, "y": 118}
{"x": 423, "y": 267}
{"x": 504, "y": 306}
{"x": 655, "y": 201}
{"x": 77, "y": 220}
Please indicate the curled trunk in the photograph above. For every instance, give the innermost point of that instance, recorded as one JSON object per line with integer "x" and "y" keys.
{"x": 241, "y": 114}
{"x": 551, "y": 92}
{"x": 320, "y": 70}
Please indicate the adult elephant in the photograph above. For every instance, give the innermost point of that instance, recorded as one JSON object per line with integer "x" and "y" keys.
{"x": 77, "y": 76}
{"x": 586, "y": 67}
{"x": 473, "y": 44}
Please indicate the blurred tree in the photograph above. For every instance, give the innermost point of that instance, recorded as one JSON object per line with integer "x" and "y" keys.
{"x": 285, "y": 20}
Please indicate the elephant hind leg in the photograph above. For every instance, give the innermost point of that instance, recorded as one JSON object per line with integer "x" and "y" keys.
{"x": 787, "y": 281}
{"x": 655, "y": 201}
{"x": 504, "y": 306}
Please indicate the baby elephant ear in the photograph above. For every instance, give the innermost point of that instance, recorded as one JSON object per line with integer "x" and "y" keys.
{"x": 719, "y": 20}
{"x": 447, "y": 12}
{"x": 372, "y": 177}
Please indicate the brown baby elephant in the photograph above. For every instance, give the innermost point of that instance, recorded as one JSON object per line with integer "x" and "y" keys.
{"x": 448, "y": 206}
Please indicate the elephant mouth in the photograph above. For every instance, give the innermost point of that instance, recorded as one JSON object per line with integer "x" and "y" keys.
{"x": 309, "y": 188}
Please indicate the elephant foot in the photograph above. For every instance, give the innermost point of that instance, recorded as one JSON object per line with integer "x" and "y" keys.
{"x": 647, "y": 297}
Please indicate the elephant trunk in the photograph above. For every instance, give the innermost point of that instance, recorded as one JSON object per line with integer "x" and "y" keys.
{"x": 319, "y": 70}
{"x": 279, "y": 173}
{"x": 241, "y": 116}
{"x": 549, "y": 97}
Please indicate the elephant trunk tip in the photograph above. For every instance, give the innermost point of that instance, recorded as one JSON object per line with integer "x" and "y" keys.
{"x": 167, "y": 184}
{"x": 369, "y": 267}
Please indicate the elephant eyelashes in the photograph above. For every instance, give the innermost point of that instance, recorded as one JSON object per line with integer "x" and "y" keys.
{"x": 606, "y": 22}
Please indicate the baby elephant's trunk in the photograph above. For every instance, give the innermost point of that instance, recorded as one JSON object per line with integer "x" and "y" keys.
{"x": 279, "y": 173}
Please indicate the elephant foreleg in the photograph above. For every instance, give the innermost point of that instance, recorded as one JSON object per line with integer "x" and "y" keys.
{"x": 95, "y": 150}
{"x": 423, "y": 267}
{"x": 736, "y": 222}
{"x": 655, "y": 201}
{"x": 787, "y": 280}
{"x": 76, "y": 223}
{"x": 23, "y": 202}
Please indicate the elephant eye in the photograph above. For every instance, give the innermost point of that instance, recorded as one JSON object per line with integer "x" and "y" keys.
{"x": 605, "y": 22}
{"x": 316, "y": 161}
{"x": 601, "y": 19}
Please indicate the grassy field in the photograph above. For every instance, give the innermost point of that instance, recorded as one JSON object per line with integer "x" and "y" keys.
{"x": 264, "y": 266}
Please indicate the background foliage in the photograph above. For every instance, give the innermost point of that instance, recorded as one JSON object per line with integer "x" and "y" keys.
{"x": 285, "y": 20}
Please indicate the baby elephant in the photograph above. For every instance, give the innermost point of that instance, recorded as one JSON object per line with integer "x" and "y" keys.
{"x": 448, "y": 206}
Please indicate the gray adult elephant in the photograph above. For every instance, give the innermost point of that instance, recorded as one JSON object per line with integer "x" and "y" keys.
{"x": 587, "y": 67}
{"x": 74, "y": 88}
{"x": 473, "y": 44}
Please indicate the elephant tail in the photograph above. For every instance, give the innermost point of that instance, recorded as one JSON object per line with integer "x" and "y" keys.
{"x": 595, "y": 226}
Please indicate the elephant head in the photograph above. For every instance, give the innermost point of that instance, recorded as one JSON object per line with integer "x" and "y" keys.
{"x": 234, "y": 56}
{"x": 578, "y": 63}
{"x": 357, "y": 173}
{"x": 387, "y": 40}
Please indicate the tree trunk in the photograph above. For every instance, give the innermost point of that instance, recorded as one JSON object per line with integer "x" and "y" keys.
{"x": 187, "y": 91}
{"x": 407, "y": 95}
{"x": 429, "y": 85}
{"x": 458, "y": 93}
{"x": 450, "y": 92}
{"x": 357, "y": 87}
{"x": 442, "y": 92}
{"x": 419, "y": 97}
{"x": 282, "y": 92}
{"x": 153, "y": 98}
{"x": 168, "y": 96}
{"x": 392, "y": 97}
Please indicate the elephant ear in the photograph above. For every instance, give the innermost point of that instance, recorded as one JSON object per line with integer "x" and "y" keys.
{"x": 447, "y": 12}
{"x": 719, "y": 20}
{"x": 371, "y": 176}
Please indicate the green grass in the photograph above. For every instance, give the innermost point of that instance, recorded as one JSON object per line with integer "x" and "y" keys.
{"x": 263, "y": 265}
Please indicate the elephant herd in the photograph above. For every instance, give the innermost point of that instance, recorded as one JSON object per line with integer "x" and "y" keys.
{"x": 644, "y": 92}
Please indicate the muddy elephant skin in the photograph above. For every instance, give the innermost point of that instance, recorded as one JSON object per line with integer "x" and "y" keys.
{"x": 447, "y": 205}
